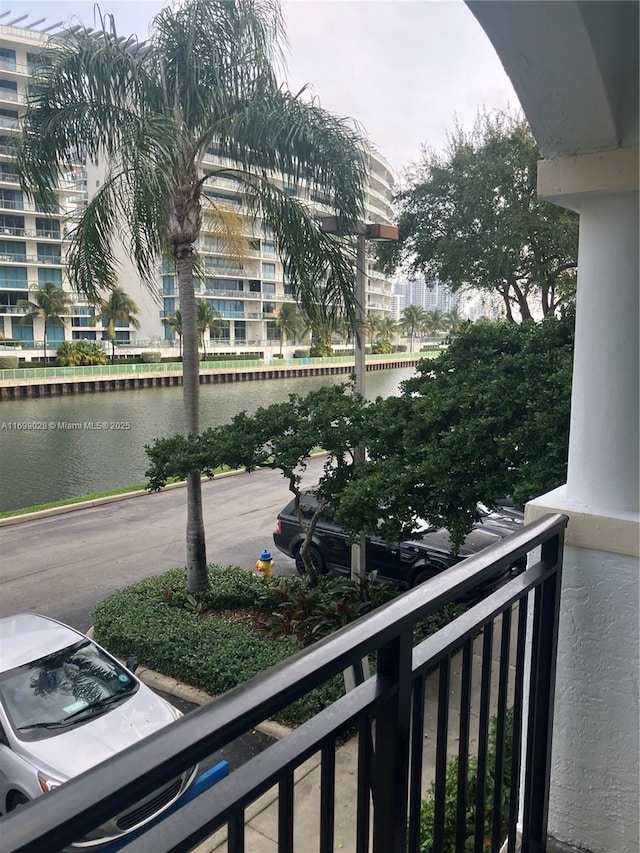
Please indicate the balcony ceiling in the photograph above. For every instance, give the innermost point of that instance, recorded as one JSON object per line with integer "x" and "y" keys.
{"x": 574, "y": 66}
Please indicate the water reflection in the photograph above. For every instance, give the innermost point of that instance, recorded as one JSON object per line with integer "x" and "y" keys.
{"x": 57, "y": 447}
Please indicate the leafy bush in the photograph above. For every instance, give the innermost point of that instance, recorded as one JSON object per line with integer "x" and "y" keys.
{"x": 301, "y": 353}
{"x": 240, "y": 626}
{"x": 80, "y": 353}
{"x": 382, "y": 347}
{"x": 451, "y": 796}
{"x": 9, "y": 362}
{"x": 320, "y": 351}
{"x": 151, "y": 357}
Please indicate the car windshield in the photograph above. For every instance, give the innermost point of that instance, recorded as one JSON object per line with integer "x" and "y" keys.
{"x": 62, "y": 689}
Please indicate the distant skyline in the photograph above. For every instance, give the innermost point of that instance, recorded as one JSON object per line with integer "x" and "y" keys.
{"x": 403, "y": 70}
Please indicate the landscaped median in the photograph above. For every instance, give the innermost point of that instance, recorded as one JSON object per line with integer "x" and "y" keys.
{"x": 241, "y": 626}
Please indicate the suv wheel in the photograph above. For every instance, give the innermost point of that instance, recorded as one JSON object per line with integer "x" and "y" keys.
{"x": 316, "y": 561}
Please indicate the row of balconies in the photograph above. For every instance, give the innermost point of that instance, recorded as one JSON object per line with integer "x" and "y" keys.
{"x": 38, "y": 233}
{"x": 30, "y": 259}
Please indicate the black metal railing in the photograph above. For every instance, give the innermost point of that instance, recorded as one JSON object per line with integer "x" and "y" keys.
{"x": 478, "y": 676}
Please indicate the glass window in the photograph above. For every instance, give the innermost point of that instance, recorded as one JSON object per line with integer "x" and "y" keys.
{"x": 83, "y": 336}
{"x": 50, "y": 275}
{"x": 48, "y": 253}
{"x": 13, "y": 277}
{"x": 268, "y": 249}
{"x": 268, "y": 271}
{"x": 11, "y": 250}
{"x": 11, "y": 199}
{"x": 269, "y": 289}
{"x": 22, "y": 330}
{"x": 169, "y": 307}
{"x": 272, "y": 332}
{"x": 47, "y": 228}
{"x": 55, "y": 331}
{"x": 7, "y": 58}
{"x": 168, "y": 285}
{"x": 240, "y": 330}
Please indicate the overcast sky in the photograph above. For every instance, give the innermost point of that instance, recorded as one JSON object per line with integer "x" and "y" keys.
{"x": 402, "y": 68}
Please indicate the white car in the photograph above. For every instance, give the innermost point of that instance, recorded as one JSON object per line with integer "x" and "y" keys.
{"x": 65, "y": 706}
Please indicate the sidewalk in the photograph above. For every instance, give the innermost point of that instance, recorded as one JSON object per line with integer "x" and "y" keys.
{"x": 261, "y": 824}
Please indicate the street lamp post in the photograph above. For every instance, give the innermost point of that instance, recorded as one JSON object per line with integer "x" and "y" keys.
{"x": 363, "y": 232}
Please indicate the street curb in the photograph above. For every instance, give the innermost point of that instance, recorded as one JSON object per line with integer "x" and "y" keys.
{"x": 109, "y": 499}
{"x": 187, "y": 693}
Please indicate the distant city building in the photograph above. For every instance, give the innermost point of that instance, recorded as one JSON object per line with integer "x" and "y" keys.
{"x": 428, "y": 295}
{"x": 247, "y": 294}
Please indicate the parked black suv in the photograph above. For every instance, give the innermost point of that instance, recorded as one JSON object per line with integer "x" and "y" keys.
{"x": 408, "y": 563}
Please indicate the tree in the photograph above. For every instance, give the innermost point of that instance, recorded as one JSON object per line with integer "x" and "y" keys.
{"x": 206, "y": 318}
{"x": 434, "y": 322}
{"x": 151, "y": 112}
{"x": 288, "y": 322}
{"x": 174, "y": 324}
{"x": 412, "y": 320}
{"x": 50, "y": 302}
{"x": 487, "y": 419}
{"x": 387, "y": 328}
{"x": 281, "y": 436}
{"x": 471, "y": 217}
{"x": 118, "y": 307}
{"x": 371, "y": 326}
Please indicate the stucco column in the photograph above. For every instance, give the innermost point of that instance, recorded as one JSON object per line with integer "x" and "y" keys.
{"x": 594, "y": 793}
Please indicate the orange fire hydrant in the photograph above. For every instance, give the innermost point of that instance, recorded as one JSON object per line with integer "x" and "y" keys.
{"x": 265, "y": 564}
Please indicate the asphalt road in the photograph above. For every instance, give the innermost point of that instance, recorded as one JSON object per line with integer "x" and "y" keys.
{"x": 64, "y": 565}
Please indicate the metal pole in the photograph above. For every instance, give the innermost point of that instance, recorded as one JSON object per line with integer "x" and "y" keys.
{"x": 359, "y": 549}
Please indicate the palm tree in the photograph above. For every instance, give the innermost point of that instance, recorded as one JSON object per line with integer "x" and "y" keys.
{"x": 206, "y": 318}
{"x": 453, "y": 321}
{"x": 434, "y": 322}
{"x": 412, "y": 320}
{"x": 174, "y": 324}
{"x": 117, "y": 308}
{"x": 371, "y": 326}
{"x": 288, "y": 322}
{"x": 49, "y": 302}
{"x": 387, "y": 328}
{"x": 205, "y": 78}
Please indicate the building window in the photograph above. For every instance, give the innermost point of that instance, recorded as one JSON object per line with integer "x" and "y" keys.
{"x": 7, "y": 59}
{"x": 269, "y": 271}
{"x": 50, "y": 276}
{"x": 55, "y": 331}
{"x": 11, "y": 200}
{"x": 240, "y": 331}
{"x": 269, "y": 289}
{"x": 47, "y": 228}
{"x": 272, "y": 332}
{"x": 83, "y": 336}
{"x": 169, "y": 307}
{"x": 22, "y": 330}
{"x": 48, "y": 253}
{"x": 268, "y": 249}
{"x": 168, "y": 285}
{"x": 13, "y": 277}
{"x": 13, "y": 251}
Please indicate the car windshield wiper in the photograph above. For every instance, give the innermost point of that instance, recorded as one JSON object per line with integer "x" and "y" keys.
{"x": 99, "y": 705}
{"x": 56, "y": 724}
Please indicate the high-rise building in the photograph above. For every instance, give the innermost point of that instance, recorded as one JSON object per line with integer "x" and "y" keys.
{"x": 247, "y": 294}
{"x": 431, "y": 295}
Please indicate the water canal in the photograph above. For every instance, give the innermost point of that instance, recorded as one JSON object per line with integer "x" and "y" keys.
{"x": 45, "y": 457}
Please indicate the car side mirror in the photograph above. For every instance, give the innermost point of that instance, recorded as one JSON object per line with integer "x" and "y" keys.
{"x": 131, "y": 663}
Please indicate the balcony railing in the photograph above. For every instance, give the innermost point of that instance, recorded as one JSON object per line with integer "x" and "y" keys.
{"x": 389, "y": 711}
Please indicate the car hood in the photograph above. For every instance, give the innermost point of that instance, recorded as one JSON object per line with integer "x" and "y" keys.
{"x": 69, "y": 752}
{"x": 440, "y": 540}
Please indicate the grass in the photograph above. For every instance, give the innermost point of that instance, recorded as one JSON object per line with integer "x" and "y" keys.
{"x": 123, "y": 490}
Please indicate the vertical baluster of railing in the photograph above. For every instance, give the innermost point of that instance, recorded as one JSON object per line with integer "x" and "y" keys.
{"x": 483, "y": 734}
{"x": 544, "y": 647}
{"x": 327, "y": 796}
{"x": 235, "y": 832}
{"x": 363, "y": 809}
{"x": 503, "y": 683}
{"x": 442, "y": 732}
{"x": 516, "y": 744}
{"x": 391, "y": 764}
{"x": 415, "y": 777}
{"x": 285, "y": 813}
{"x": 463, "y": 746}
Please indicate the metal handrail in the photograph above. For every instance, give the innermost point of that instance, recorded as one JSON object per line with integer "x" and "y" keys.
{"x": 84, "y": 803}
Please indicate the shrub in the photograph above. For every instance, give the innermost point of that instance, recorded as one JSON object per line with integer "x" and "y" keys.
{"x": 80, "y": 353}
{"x": 151, "y": 357}
{"x": 301, "y": 353}
{"x": 321, "y": 351}
{"x": 401, "y": 348}
{"x": 382, "y": 347}
{"x": 451, "y": 795}
{"x": 9, "y": 362}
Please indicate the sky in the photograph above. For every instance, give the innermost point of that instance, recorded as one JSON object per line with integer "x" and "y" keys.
{"x": 404, "y": 69}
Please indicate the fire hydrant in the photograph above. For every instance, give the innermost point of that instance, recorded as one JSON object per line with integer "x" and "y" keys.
{"x": 265, "y": 564}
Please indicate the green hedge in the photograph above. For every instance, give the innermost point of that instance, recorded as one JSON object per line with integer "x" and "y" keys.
{"x": 9, "y": 362}
{"x": 151, "y": 357}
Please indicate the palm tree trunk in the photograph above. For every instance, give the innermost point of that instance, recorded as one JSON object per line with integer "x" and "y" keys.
{"x": 197, "y": 578}
{"x": 44, "y": 345}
